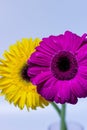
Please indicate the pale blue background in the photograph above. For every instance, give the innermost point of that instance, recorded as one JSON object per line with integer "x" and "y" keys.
{"x": 39, "y": 18}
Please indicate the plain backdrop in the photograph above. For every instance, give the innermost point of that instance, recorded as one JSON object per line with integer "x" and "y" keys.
{"x": 39, "y": 18}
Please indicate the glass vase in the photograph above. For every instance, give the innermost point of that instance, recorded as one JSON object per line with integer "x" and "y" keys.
{"x": 70, "y": 126}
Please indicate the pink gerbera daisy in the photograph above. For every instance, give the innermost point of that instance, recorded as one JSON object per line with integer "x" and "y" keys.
{"x": 59, "y": 67}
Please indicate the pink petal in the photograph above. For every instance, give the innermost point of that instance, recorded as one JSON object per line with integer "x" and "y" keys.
{"x": 33, "y": 71}
{"x": 63, "y": 91}
{"x": 48, "y": 90}
{"x": 42, "y": 77}
{"x": 40, "y": 59}
{"x": 72, "y": 42}
{"x": 82, "y": 55}
{"x": 44, "y": 51}
{"x": 57, "y": 42}
{"x": 79, "y": 86}
{"x": 49, "y": 43}
{"x": 83, "y": 71}
{"x": 46, "y": 46}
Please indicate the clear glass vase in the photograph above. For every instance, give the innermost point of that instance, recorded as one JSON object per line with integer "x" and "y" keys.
{"x": 70, "y": 126}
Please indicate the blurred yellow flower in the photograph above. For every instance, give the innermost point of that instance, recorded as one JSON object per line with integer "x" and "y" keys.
{"x": 14, "y": 82}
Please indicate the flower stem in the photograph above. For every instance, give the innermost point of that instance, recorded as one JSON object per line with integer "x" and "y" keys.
{"x": 56, "y": 108}
{"x": 63, "y": 113}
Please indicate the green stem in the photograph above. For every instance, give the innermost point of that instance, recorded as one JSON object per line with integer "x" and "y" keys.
{"x": 63, "y": 113}
{"x": 56, "y": 108}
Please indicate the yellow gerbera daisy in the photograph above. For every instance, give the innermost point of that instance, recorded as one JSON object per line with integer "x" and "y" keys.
{"x": 14, "y": 82}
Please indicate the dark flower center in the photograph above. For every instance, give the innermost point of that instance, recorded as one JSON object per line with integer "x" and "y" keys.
{"x": 24, "y": 73}
{"x": 64, "y": 65}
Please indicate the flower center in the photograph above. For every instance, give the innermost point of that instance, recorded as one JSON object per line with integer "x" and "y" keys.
{"x": 24, "y": 73}
{"x": 64, "y": 65}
